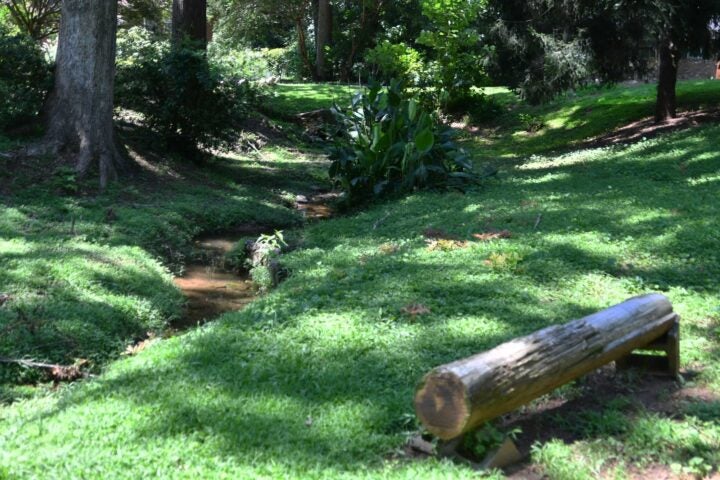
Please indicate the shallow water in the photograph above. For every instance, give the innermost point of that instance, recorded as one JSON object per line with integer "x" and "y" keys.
{"x": 211, "y": 290}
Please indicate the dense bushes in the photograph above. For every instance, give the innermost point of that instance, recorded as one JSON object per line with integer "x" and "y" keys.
{"x": 396, "y": 60}
{"x": 253, "y": 64}
{"x": 191, "y": 102}
{"x": 25, "y": 79}
{"x": 388, "y": 143}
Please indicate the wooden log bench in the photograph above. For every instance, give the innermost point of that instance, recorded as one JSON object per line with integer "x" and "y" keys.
{"x": 460, "y": 396}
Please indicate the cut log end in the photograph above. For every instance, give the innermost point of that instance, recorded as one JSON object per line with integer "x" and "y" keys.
{"x": 441, "y": 404}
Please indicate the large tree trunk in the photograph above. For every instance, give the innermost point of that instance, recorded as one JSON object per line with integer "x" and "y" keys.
{"x": 80, "y": 108}
{"x": 666, "y": 106}
{"x": 322, "y": 38}
{"x": 457, "y": 397}
{"x": 189, "y": 21}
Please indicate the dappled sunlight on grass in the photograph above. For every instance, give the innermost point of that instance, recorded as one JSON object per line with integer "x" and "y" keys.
{"x": 294, "y": 98}
{"x": 316, "y": 379}
{"x": 576, "y": 117}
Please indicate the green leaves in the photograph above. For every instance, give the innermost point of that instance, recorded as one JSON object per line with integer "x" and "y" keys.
{"x": 424, "y": 141}
{"x": 387, "y": 143}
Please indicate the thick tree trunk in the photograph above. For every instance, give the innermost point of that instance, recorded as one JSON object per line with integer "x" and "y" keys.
{"x": 324, "y": 28}
{"x": 458, "y": 397}
{"x": 666, "y": 106}
{"x": 189, "y": 21}
{"x": 80, "y": 108}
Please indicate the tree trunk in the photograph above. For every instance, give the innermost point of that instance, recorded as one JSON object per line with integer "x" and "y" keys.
{"x": 458, "y": 397}
{"x": 189, "y": 21}
{"x": 666, "y": 105}
{"x": 324, "y": 25}
{"x": 363, "y": 35}
{"x": 302, "y": 47}
{"x": 80, "y": 108}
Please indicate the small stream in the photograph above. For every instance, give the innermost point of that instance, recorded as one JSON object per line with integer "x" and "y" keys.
{"x": 210, "y": 288}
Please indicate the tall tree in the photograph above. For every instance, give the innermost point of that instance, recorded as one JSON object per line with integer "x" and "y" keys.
{"x": 79, "y": 113}
{"x": 322, "y": 37}
{"x": 189, "y": 21}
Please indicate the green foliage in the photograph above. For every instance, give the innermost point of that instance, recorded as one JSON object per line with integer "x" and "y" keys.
{"x": 455, "y": 42}
{"x": 263, "y": 265}
{"x": 560, "y": 461}
{"x": 272, "y": 241}
{"x": 282, "y": 62}
{"x": 531, "y": 123}
{"x": 565, "y": 65}
{"x": 486, "y": 439}
{"x": 396, "y": 60}
{"x": 25, "y": 78}
{"x": 189, "y": 101}
{"x": 252, "y": 64}
{"x": 388, "y": 143}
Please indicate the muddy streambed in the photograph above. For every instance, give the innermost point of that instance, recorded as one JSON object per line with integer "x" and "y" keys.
{"x": 209, "y": 287}
{"x": 212, "y": 289}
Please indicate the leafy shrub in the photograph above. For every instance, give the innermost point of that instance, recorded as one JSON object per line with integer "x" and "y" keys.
{"x": 457, "y": 56}
{"x": 246, "y": 63}
{"x": 191, "y": 102}
{"x": 282, "y": 62}
{"x": 486, "y": 439}
{"x": 396, "y": 60}
{"x": 388, "y": 143}
{"x": 531, "y": 123}
{"x": 25, "y": 78}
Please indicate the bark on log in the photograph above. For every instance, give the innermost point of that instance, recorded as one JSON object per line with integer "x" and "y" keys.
{"x": 457, "y": 397}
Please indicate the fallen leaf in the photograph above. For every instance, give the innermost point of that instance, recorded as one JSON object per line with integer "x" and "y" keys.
{"x": 389, "y": 248}
{"x": 496, "y": 235}
{"x": 140, "y": 346}
{"x": 445, "y": 245}
{"x": 416, "y": 309}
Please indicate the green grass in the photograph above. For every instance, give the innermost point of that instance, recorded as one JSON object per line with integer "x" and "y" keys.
{"x": 89, "y": 273}
{"x": 316, "y": 379}
{"x": 576, "y": 117}
{"x": 293, "y": 98}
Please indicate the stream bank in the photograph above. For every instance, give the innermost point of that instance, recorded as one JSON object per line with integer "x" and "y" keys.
{"x": 211, "y": 287}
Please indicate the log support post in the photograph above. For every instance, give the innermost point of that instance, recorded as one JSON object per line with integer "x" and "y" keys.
{"x": 668, "y": 364}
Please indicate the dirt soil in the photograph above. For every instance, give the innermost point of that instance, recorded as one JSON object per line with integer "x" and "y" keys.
{"x": 652, "y": 393}
{"x": 647, "y": 128}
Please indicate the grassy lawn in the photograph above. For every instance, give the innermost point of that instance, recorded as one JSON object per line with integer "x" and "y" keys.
{"x": 293, "y": 98}
{"x": 316, "y": 379}
{"x": 89, "y": 273}
{"x": 580, "y": 116}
